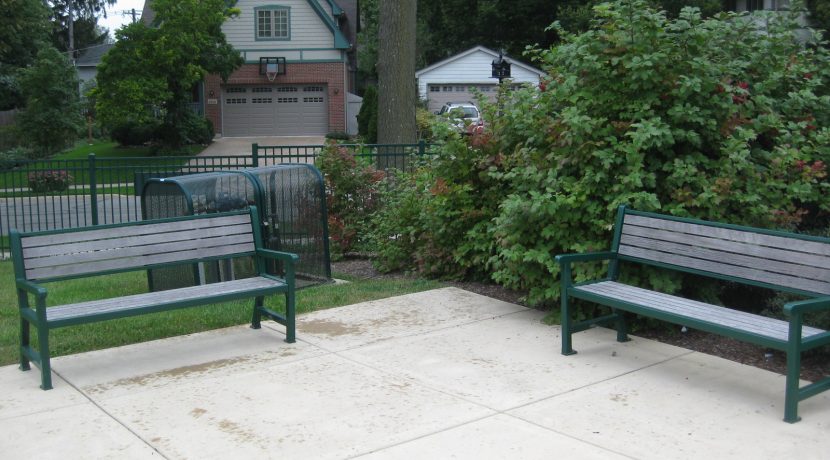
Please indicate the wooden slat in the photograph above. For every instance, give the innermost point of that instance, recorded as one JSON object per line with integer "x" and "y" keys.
{"x": 819, "y": 287}
{"x": 132, "y": 251}
{"x": 91, "y": 233}
{"x": 138, "y": 261}
{"x": 133, "y": 241}
{"x": 784, "y": 255}
{"x": 206, "y": 291}
{"x": 700, "y": 311}
{"x": 761, "y": 239}
{"x": 730, "y": 258}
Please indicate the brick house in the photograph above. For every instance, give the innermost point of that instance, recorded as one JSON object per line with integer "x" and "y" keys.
{"x": 311, "y": 41}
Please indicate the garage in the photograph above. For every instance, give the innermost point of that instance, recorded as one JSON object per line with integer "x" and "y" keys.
{"x": 274, "y": 110}
{"x": 440, "y": 94}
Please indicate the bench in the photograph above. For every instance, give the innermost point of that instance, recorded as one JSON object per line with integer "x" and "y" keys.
{"x": 775, "y": 260}
{"x": 186, "y": 242}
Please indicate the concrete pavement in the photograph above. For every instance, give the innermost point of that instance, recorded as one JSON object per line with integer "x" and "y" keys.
{"x": 438, "y": 374}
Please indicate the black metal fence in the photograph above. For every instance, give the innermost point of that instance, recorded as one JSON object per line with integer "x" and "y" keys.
{"x": 54, "y": 194}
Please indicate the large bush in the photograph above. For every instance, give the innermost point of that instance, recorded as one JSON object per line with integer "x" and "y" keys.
{"x": 712, "y": 119}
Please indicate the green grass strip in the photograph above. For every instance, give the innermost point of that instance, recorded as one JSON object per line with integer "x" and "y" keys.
{"x": 107, "y": 334}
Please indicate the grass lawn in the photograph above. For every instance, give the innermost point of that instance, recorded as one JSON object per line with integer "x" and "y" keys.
{"x": 116, "y": 164}
{"x": 76, "y": 339}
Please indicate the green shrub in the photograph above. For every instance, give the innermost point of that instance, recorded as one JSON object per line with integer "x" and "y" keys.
{"x": 49, "y": 181}
{"x": 13, "y": 158}
{"x": 134, "y": 133}
{"x": 338, "y": 136}
{"x": 9, "y": 137}
{"x": 686, "y": 117}
{"x": 351, "y": 197}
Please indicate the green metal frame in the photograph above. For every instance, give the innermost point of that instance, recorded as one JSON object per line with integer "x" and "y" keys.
{"x": 37, "y": 317}
{"x": 794, "y": 311}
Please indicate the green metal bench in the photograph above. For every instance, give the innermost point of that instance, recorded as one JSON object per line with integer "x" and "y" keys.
{"x": 771, "y": 259}
{"x": 43, "y": 257}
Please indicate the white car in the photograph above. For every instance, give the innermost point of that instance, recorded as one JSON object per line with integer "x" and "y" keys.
{"x": 462, "y": 115}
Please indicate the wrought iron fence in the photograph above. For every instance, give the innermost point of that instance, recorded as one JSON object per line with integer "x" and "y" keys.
{"x": 54, "y": 194}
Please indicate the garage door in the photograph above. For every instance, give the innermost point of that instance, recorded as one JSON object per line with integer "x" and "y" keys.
{"x": 439, "y": 95}
{"x": 275, "y": 110}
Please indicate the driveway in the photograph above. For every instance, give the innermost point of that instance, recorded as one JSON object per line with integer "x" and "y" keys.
{"x": 237, "y": 146}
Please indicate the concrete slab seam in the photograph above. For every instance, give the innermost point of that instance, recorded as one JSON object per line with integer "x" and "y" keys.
{"x": 111, "y": 416}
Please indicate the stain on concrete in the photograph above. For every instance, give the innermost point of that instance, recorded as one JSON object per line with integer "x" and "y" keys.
{"x": 198, "y": 412}
{"x": 330, "y": 328}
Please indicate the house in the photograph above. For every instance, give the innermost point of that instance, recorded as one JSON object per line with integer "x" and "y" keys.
{"x": 87, "y": 60}
{"x": 452, "y": 79}
{"x": 310, "y": 43}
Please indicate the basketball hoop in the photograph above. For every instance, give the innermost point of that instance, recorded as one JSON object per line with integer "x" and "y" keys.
{"x": 271, "y": 67}
{"x": 271, "y": 70}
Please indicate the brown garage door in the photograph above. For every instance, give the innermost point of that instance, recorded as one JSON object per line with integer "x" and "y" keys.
{"x": 275, "y": 110}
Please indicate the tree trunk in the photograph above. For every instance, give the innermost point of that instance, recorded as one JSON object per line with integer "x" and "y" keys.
{"x": 397, "y": 92}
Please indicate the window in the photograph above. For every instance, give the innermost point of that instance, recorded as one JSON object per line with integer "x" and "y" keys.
{"x": 434, "y": 89}
{"x": 272, "y": 23}
{"x": 754, "y": 5}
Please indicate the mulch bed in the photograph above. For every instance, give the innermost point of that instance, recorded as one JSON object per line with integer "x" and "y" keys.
{"x": 815, "y": 365}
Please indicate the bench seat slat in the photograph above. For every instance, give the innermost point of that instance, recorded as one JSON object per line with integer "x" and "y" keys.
{"x": 85, "y": 244}
{"x": 714, "y": 314}
{"x": 132, "y": 251}
{"x": 747, "y": 273}
{"x": 783, "y": 255}
{"x": 731, "y": 258}
{"x": 140, "y": 228}
{"x": 121, "y": 304}
{"x": 744, "y": 236}
{"x": 138, "y": 261}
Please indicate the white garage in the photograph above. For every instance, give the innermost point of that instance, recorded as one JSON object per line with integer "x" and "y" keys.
{"x": 274, "y": 110}
{"x": 453, "y": 79}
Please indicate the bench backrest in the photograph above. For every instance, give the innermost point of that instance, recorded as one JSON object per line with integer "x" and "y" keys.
{"x": 780, "y": 260}
{"x": 62, "y": 254}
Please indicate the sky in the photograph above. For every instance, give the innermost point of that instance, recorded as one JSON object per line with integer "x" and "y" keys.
{"x": 115, "y": 19}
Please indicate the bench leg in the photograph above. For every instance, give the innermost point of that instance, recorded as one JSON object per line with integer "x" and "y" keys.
{"x": 24, "y": 343}
{"x": 793, "y": 371}
{"x": 622, "y": 327}
{"x": 567, "y": 348}
{"x": 256, "y": 321}
{"x": 45, "y": 361}
{"x": 290, "y": 317}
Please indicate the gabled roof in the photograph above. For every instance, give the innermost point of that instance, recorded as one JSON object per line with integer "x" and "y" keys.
{"x": 91, "y": 56}
{"x": 473, "y": 50}
{"x": 340, "y": 41}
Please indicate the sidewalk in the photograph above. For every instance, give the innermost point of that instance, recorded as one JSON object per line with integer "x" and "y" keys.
{"x": 438, "y": 374}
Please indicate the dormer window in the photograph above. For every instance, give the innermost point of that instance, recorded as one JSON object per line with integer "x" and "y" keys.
{"x": 273, "y": 23}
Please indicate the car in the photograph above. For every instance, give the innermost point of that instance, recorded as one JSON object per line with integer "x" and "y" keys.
{"x": 462, "y": 115}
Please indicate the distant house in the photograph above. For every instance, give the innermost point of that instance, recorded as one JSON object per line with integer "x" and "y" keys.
{"x": 454, "y": 78}
{"x": 87, "y": 60}
{"x": 312, "y": 43}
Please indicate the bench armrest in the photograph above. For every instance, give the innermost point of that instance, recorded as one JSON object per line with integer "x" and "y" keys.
{"x": 283, "y": 256}
{"x": 31, "y": 288}
{"x": 805, "y": 306}
{"x": 565, "y": 261}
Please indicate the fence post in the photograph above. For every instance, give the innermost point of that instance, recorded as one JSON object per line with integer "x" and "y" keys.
{"x": 255, "y": 155}
{"x": 93, "y": 188}
{"x": 422, "y": 147}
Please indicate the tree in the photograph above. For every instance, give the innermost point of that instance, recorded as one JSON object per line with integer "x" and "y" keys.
{"x": 24, "y": 27}
{"x": 67, "y": 13}
{"x": 52, "y": 118}
{"x": 397, "y": 92}
{"x": 157, "y": 67}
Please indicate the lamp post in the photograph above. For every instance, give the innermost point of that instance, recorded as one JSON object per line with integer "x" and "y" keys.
{"x": 501, "y": 70}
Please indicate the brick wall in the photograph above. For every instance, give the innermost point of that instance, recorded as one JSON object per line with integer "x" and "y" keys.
{"x": 327, "y": 73}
